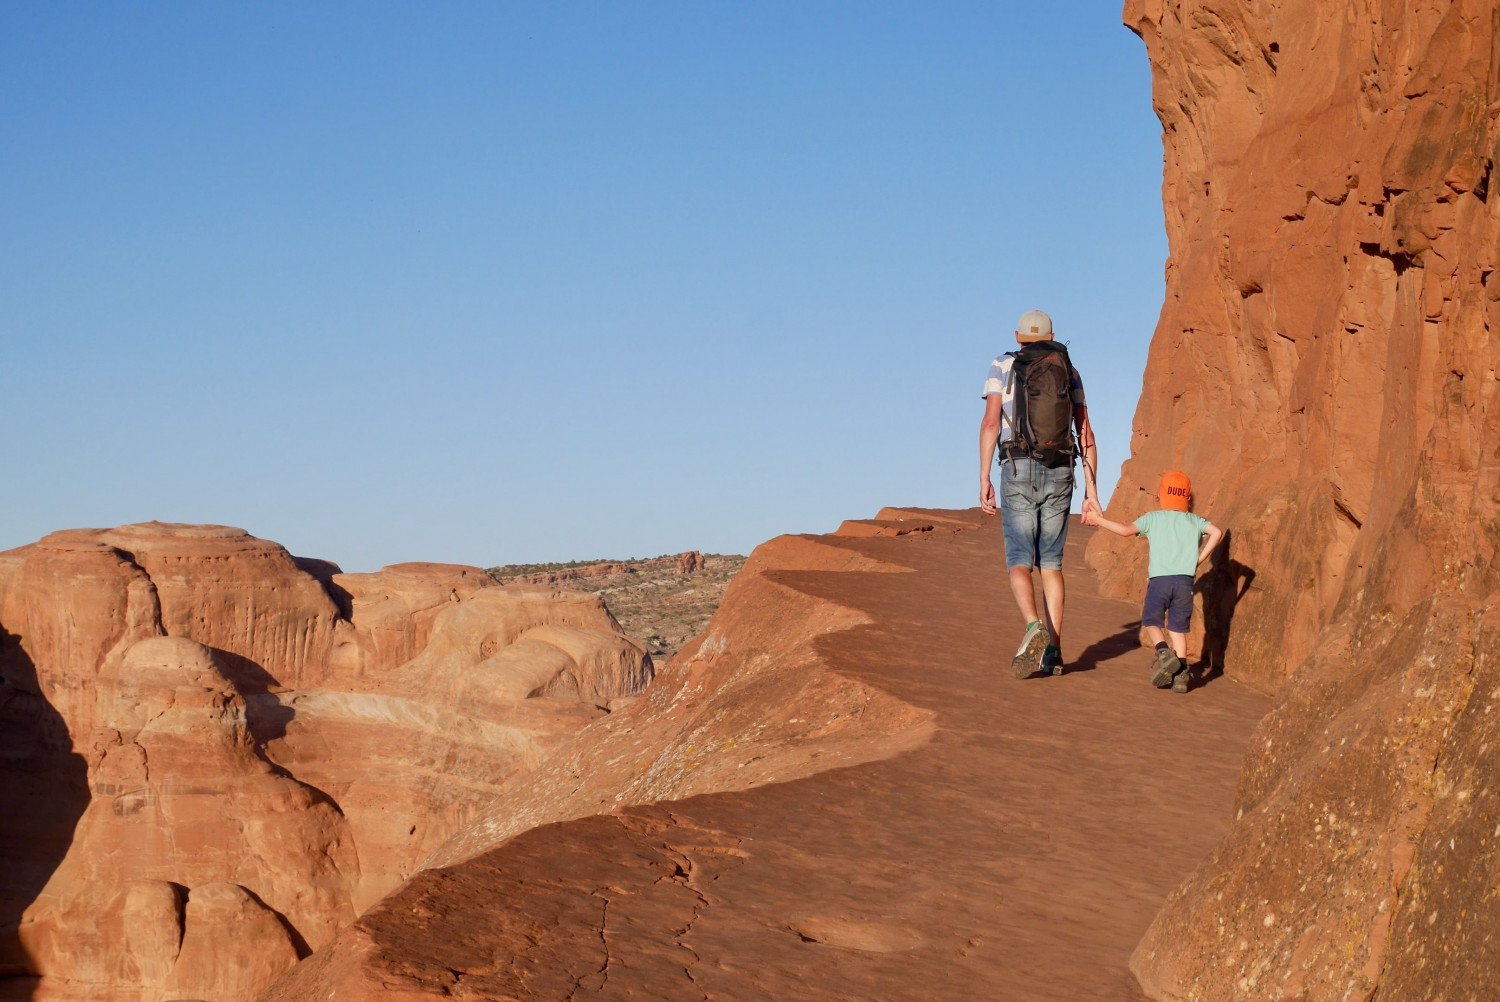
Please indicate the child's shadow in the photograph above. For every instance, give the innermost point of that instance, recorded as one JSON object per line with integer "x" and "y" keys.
{"x": 1222, "y": 587}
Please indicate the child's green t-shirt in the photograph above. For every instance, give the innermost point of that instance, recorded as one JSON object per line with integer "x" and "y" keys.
{"x": 1173, "y": 537}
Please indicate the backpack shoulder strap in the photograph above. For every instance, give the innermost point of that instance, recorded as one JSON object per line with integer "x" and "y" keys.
{"x": 1010, "y": 385}
{"x": 1067, "y": 357}
{"x": 1073, "y": 378}
{"x": 1010, "y": 374}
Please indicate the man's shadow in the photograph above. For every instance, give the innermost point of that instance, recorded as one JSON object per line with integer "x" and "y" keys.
{"x": 1225, "y": 583}
{"x": 1111, "y": 647}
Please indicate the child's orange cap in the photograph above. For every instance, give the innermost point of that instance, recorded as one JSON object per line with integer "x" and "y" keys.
{"x": 1175, "y": 491}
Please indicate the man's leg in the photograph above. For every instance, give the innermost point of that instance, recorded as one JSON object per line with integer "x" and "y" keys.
{"x": 1053, "y": 595}
{"x": 1018, "y": 518}
{"x": 1034, "y": 641}
{"x": 1155, "y": 635}
{"x": 1020, "y": 587}
{"x": 1179, "y": 645}
{"x": 1052, "y": 534}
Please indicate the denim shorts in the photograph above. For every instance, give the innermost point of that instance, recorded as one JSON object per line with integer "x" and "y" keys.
{"x": 1170, "y": 598}
{"x": 1034, "y": 503}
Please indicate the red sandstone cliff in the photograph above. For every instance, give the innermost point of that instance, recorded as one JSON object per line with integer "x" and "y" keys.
{"x": 215, "y": 755}
{"x": 1325, "y": 368}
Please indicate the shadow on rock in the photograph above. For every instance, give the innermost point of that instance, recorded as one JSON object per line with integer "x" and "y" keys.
{"x": 1221, "y": 589}
{"x": 43, "y": 793}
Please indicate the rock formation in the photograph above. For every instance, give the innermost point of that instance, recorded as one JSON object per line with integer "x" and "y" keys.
{"x": 662, "y": 603}
{"x": 750, "y": 702}
{"x": 216, "y": 755}
{"x": 1325, "y": 368}
{"x": 682, "y": 563}
{"x": 833, "y": 794}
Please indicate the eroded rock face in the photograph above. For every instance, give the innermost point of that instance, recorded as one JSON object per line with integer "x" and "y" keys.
{"x": 216, "y": 755}
{"x": 736, "y": 708}
{"x": 1325, "y": 368}
{"x": 751, "y": 702}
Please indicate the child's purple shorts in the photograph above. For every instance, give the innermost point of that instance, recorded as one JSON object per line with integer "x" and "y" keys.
{"x": 1169, "y": 597}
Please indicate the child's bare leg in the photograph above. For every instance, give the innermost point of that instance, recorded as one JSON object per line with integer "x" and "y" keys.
{"x": 1183, "y": 680}
{"x": 1179, "y": 645}
{"x": 1165, "y": 670}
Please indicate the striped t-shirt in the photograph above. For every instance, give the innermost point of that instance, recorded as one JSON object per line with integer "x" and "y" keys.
{"x": 999, "y": 384}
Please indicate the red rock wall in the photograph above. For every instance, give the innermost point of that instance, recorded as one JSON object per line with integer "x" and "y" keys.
{"x": 1325, "y": 368}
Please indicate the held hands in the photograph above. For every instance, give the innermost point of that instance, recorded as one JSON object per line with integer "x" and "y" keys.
{"x": 1092, "y": 513}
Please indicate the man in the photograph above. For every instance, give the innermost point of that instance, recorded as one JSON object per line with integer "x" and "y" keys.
{"x": 1036, "y": 485}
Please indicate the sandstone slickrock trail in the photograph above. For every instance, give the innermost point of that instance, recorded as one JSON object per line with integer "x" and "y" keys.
{"x": 1017, "y": 852}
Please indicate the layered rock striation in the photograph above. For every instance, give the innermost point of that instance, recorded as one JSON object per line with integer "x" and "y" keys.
{"x": 1325, "y": 368}
{"x": 217, "y": 755}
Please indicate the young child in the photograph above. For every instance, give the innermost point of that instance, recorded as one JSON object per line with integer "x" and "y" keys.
{"x": 1179, "y": 542}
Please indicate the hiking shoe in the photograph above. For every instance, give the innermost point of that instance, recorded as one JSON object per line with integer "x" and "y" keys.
{"x": 1052, "y": 661}
{"x": 1029, "y": 655}
{"x": 1182, "y": 680}
{"x": 1167, "y": 666}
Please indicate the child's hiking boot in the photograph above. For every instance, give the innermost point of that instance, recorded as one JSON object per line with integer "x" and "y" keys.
{"x": 1029, "y": 655}
{"x": 1167, "y": 667}
{"x": 1183, "y": 680}
{"x": 1052, "y": 661}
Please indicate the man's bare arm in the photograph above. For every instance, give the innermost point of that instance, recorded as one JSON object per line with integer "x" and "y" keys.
{"x": 989, "y": 433}
{"x": 1090, "y": 453}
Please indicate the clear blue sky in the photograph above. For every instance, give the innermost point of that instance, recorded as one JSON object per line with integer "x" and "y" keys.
{"x": 500, "y": 282}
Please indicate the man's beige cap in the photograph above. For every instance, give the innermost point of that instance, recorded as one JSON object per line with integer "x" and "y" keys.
{"x": 1034, "y": 325}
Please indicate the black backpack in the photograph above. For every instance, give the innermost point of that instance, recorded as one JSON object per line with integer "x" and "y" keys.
{"x": 1042, "y": 377}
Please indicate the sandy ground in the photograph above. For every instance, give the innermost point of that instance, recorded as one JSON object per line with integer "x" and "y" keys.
{"x": 1018, "y": 855}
